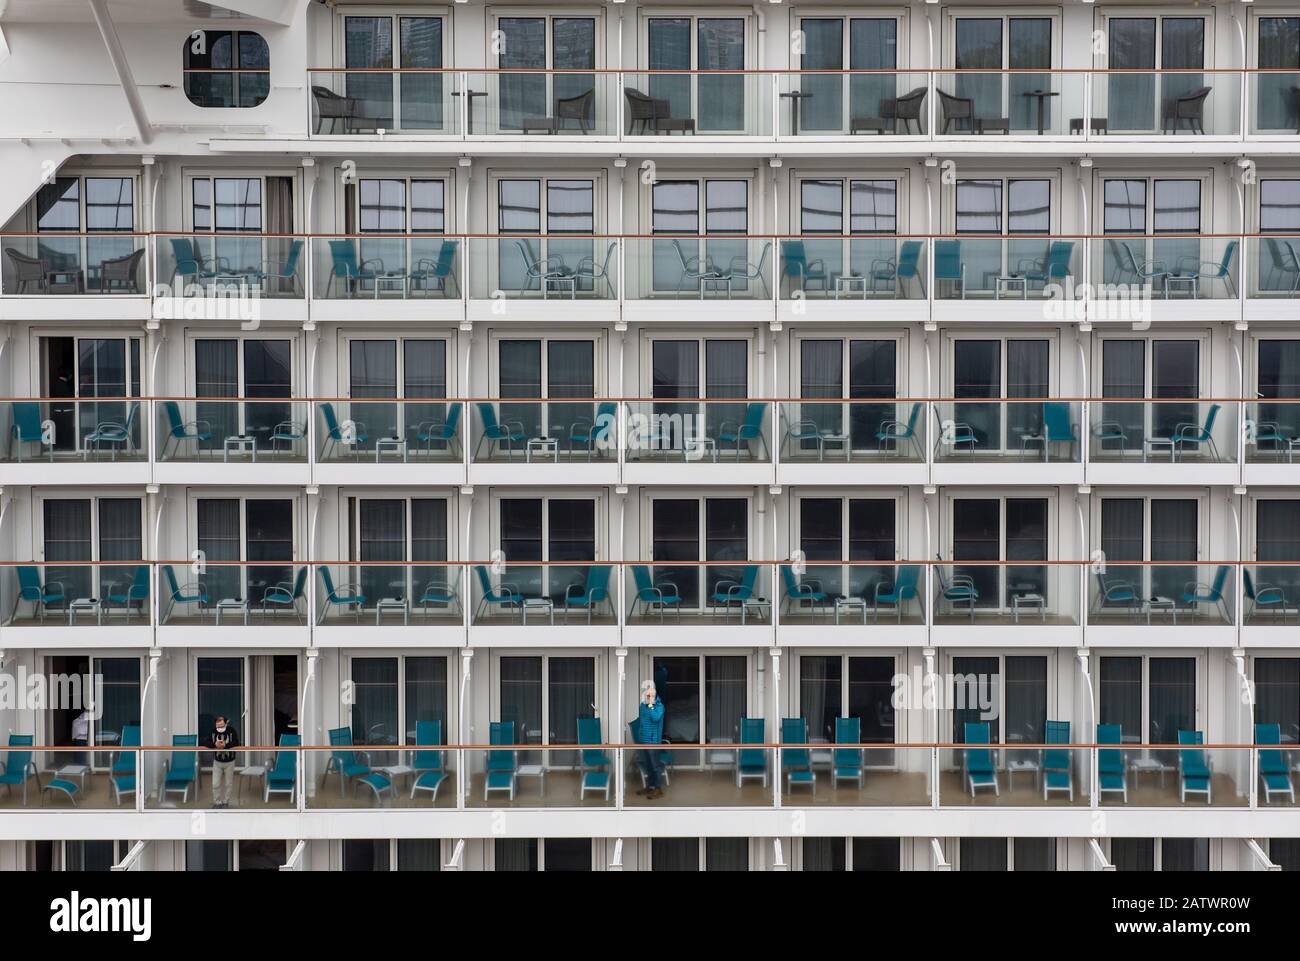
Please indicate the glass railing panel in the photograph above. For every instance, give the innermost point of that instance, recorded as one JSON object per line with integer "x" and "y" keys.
{"x": 387, "y": 266}
{"x": 389, "y": 431}
{"x": 1173, "y": 775}
{"x": 690, "y": 430}
{"x": 563, "y": 267}
{"x": 550, "y": 431}
{"x": 73, "y": 593}
{"x": 382, "y": 767}
{"x": 210, "y": 430}
{"x": 1271, "y": 593}
{"x": 70, "y": 429}
{"x": 715, "y": 104}
{"x": 68, "y": 263}
{"x": 684, "y": 267}
{"x": 1272, "y": 429}
{"x": 833, "y": 430}
{"x": 1006, "y": 268}
{"x": 250, "y": 778}
{"x": 1275, "y": 270}
{"x": 230, "y": 265}
{"x": 1168, "y": 267}
{"x": 522, "y": 594}
{"x": 1019, "y": 102}
{"x": 835, "y": 103}
{"x": 815, "y": 593}
{"x": 1275, "y": 102}
{"x": 698, "y": 594}
{"x": 210, "y": 592}
{"x": 1171, "y": 431}
{"x": 714, "y": 774}
{"x": 530, "y": 774}
{"x": 544, "y": 102}
{"x": 374, "y": 101}
{"x": 390, "y": 593}
{"x": 852, "y": 267}
{"x": 1007, "y": 775}
{"x": 1021, "y": 593}
{"x": 868, "y": 774}
{"x": 58, "y": 777}
{"x": 972, "y": 431}
{"x": 1171, "y": 594}
{"x": 1166, "y": 103}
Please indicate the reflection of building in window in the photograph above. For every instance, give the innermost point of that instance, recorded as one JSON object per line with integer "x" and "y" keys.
{"x": 227, "y": 68}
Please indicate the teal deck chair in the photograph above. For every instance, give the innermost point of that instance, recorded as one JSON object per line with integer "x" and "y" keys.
{"x": 344, "y": 761}
{"x": 846, "y": 762}
{"x": 980, "y": 769}
{"x": 1195, "y": 435}
{"x": 334, "y": 432}
{"x": 1112, "y": 775}
{"x": 1198, "y": 593}
{"x": 589, "y": 595}
{"x": 894, "y": 432}
{"x": 796, "y": 763}
{"x": 651, "y": 594}
{"x": 745, "y": 431}
{"x": 26, "y": 428}
{"x": 180, "y": 771}
{"x": 897, "y": 592}
{"x": 948, "y": 265}
{"x": 501, "y": 767}
{"x": 751, "y": 763}
{"x": 1274, "y": 776}
{"x": 19, "y": 766}
{"x": 122, "y": 774}
{"x": 130, "y": 595}
{"x": 593, "y": 762}
{"x": 282, "y": 776}
{"x": 1057, "y": 428}
{"x": 1194, "y": 771}
{"x": 727, "y": 592}
{"x": 429, "y": 767}
{"x": 345, "y": 596}
{"x": 177, "y": 593}
{"x": 1058, "y": 772}
{"x": 41, "y": 596}
{"x": 805, "y": 591}
{"x": 906, "y": 267}
{"x": 446, "y": 431}
{"x": 1053, "y": 268}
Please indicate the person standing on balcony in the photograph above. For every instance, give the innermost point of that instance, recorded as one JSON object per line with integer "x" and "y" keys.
{"x": 222, "y": 739}
{"x": 651, "y": 723}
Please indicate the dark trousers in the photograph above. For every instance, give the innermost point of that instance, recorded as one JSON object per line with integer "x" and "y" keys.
{"x": 654, "y": 768}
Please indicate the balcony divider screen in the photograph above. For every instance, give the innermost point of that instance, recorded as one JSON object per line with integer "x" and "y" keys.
{"x": 1277, "y": 695}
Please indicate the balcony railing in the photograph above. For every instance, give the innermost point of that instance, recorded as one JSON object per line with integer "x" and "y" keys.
{"x": 209, "y": 592}
{"x": 740, "y": 769}
{"x": 1001, "y": 430}
{"x": 943, "y": 104}
{"x": 211, "y": 429}
{"x": 58, "y": 264}
{"x": 350, "y": 430}
{"x": 830, "y": 430}
{"x": 389, "y": 593}
{"x": 69, "y": 429}
{"x": 971, "y": 591}
{"x": 1069, "y": 277}
{"x": 1174, "y": 430}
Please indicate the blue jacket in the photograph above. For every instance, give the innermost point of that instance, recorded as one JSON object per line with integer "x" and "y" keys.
{"x": 651, "y": 722}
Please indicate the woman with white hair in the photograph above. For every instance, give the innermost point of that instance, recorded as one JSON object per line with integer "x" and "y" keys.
{"x": 651, "y": 723}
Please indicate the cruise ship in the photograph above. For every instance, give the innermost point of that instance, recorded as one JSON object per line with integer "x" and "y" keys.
{"x": 907, "y": 393}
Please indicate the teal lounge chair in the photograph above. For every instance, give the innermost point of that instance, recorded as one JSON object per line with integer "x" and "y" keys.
{"x": 446, "y": 431}
{"x": 429, "y": 768}
{"x": 907, "y": 267}
{"x": 437, "y": 594}
{"x": 501, "y": 767}
{"x": 634, "y": 737}
{"x": 1274, "y": 775}
{"x": 510, "y": 432}
{"x": 1197, "y": 593}
{"x": 1263, "y": 596}
{"x": 894, "y": 432}
{"x": 593, "y": 762}
{"x": 437, "y": 274}
{"x": 1195, "y": 435}
{"x": 1058, "y": 772}
{"x": 334, "y": 432}
{"x": 727, "y": 593}
{"x": 746, "y": 431}
{"x": 805, "y": 591}
{"x": 285, "y": 435}
{"x": 1112, "y": 775}
{"x": 1126, "y": 264}
{"x": 592, "y": 435}
{"x": 282, "y": 777}
{"x": 380, "y": 786}
{"x": 18, "y": 765}
{"x": 1113, "y": 592}
{"x": 275, "y": 275}
{"x": 978, "y": 761}
{"x": 590, "y": 595}
{"x": 960, "y": 589}
{"x": 122, "y": 773}
{"x": 801, "y": 271}
{"x": 846, "y": 762}
{"x": 116, "y": 436}
{"x": 948, "y": 265}
{"x": 286, "y": 595}
{"x": 344, "y": 761}
{"x": 649, "y": 594}
{"x": 181, "y": 432}
{"x": 1051, "y": 269}
{"x": 1194, "y": 771}
{"x": 190, "y": 267}
{"x": 796, "y": 762}
{"x": 897, "y": 592}
{"x": 351, "y": 274}
{"x": 26, "y": 428}
{"x": 180, "y": 772}
{"x": 1057, "y": 428}
{"x": 1210, "y": 270}
{"x": 960, "y": 433}
{"x": 507, "y": 595}
{"x": 751, "y": 763}
{"x": 345, "y": 596}
{"x": 40, "y": 596}
{"x": 129, "y": 596}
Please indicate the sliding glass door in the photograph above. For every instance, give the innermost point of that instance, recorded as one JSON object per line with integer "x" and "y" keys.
{"x": 396, "y": 535}
{"x": 855, "y": 529}
{"x": 560, "y": 371}
{"x": 870, "y": 368}
{"x": 1277, "y": 106}
{"x": 1151, "y": 530}
{"x": 858, "y": 43}
{"x": 77, "y": 368}
{"x": 395, "y": 101}
{"x": 1279, "y": 255}
{"x": 987, "y": 46}
{"x": 79, "y": 531}
{"x": 1143, "y": 209}
{"x": 980, "y": 369}
{"x": 1277, "y": 539}
{"x": 533, "y": 45}
{"x": 546, "y": 529}
{"x": 1013, "y": 530}
{"x": 704, "y": 698}
{"x": 254, "y": 368}
{"x": 679, "y": 368}
{"x": 832, "y": 686}
{"x": 1138, "y": 98}
{"x": 1156, "y": 368}
{"x": 712, "y": 529}
{"x": 704, "y": 219}
{"x": 858, "y": 220}
{"x": 680, "y": 45}
{"x": 400, "y": 369}
{"x": 255, "y": 531}
{"x": 544, "y": 696}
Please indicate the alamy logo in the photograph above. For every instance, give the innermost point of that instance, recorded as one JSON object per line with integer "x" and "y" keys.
{"x": 73, "y": 915}
{"x": 947, "y": 692}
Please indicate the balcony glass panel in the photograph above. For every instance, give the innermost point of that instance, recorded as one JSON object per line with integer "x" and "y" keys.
{"x": 1172, "y": 431}
{"x": 50, "y": 264}
{"x": 1174, "y": 594}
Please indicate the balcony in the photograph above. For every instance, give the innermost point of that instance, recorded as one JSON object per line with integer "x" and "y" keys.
{"x": 986, "y": 601}
{"x": 75, "y": 276}
{"x": 1184, "y": 594}
{"x": 254, "y": 440}
{"x": 1156, "y": 441}
{"x": 246, "y": 277}
{"x": 386, "y": 602}
{"x": 1070, "y": 105}
{"x": 388, "y": 275}
{"x": 89, "y": 440}
{"x": 995, "y": 440}
{"x": 560, "y": 276}
{"x": 88, "y": 604}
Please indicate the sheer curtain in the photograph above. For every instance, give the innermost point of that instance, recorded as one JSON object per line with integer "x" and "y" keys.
{"x": 66, "y": 539}
{"x": 571, "y": 694}
{"x": 1123, "y": 374}
{"x": 1172, "y": 695}
{"x": 521, "y": 701}
{"x": 1026, "y": 699}
{"x": 1277, "y": 538}
{"x": 374, "y": 709}
{"x": 382, "y": 538}
{"x": 873, "y": 45}
{"x": 1277, "y": 695}
{"x": 216, "y": 374}
{"x": 725, "y": 363}
{"x": 1131, "y": 96}
{"x": 1119, "y": 688}
{"x": 873, "y": 372}
{"x": 821, "y": 374}
{"x": 820, "y": 686}
{"x": 823, "y": 50}
{"x": 218, "y": 540}
{"x": 1173, "y": 538}
{"x": 426, "y": 694}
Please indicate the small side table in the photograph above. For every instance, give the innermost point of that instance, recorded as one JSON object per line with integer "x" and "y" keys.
{"x": 537, "y": 771}
{"x": 849, "y": 605}
{"x": 697, "y": 448}
{"x": 542, "y": 447}
{"x": 1153, "y": 443}
{"x": 843, "y": 440}
{"x": 759, "y": 607}
{"x": 1161, "y": 604}
{"x": 84, "y": 605}
{"x": 395, "y": 771}
{"x": 243, "y": 443}
{"x": 393, "y": 445}
{"x": 248, "y": 772}
{"x": 386, "y": 605}
{"x": 1005, "y": 284}
{"x": 1188, "y": 283}
{"x": 564, "y": 283}
{"x": 232, "y": 604}
{"x": 74, "y": 770}
{"x": 1022, "y": 765}
{"x": 1028, "y": 602}
{"x": 853, "y": 284}
{"x": 536, "y": 605}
